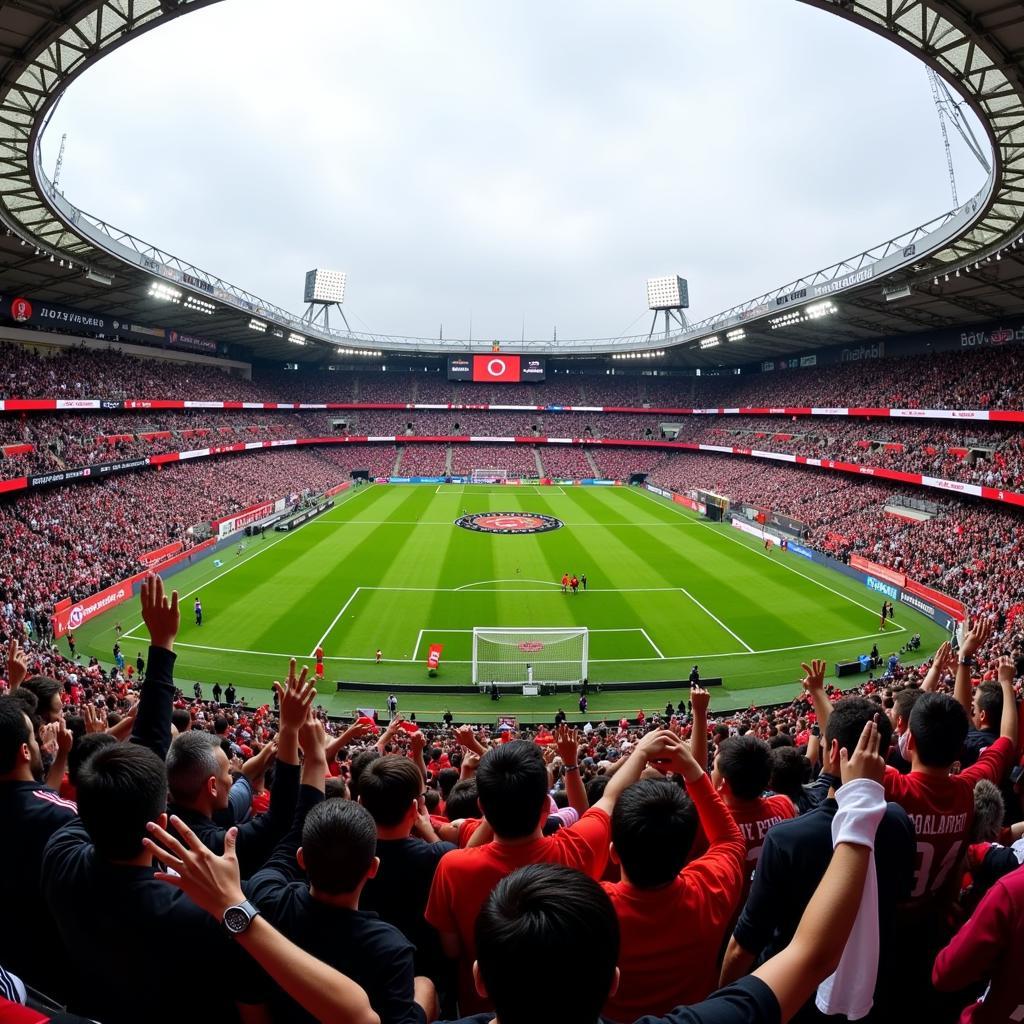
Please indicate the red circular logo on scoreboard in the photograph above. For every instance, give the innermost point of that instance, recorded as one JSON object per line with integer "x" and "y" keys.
{"x": 509, "y": 522}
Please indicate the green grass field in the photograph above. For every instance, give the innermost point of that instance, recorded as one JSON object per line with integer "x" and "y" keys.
{"x": 388, "y": 568}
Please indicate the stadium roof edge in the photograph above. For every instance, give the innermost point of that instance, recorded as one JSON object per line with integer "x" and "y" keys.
{"x": 974, "y": 44}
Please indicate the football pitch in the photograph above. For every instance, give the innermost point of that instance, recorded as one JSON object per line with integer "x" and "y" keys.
{"x": 388, "y": 568}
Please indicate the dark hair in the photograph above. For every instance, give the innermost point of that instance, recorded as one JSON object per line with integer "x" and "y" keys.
{"x": 463, "y": 801}
{"x": 780, "y": 740}
{"x": 432, "y": 799}
{"x": 44, "y": 688}
{"x": 990, "y": 700}
{"x": 938, "y": 725}
{"x": 181, "y": 720}
{"x": 903, "y": 702}
{"x": 540, "y": 915}
{"x": 83, "y": 748}
{"x": 596, "y": 787}
{"x": 120, "y": 788}
{"x": 335, "y": 789}
{"x": 358, "y": 766}
{"x": 446, "y": 779}
{"x": 790, "y": 770}
{"x": 339, "y": 842}
{"x": 653, "y": 826}
{"x": 15, "y": 730}
{"x": 847, "y": 721}
{"x": 191, "y": 760}
{"x": 387, "y": 788}
{"x": 745, "y": 762}
{"x": 220, "y": 725}
{"x": 512, "y": 782}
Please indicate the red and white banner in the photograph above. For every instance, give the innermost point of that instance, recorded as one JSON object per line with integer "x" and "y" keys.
{"x": 151, "y": 558}
{"x": 75, "y": 615}
{"x": 879, "y": 571}
{"x": 434, "y": 656}
{"x": 950, "y": 605}
{"x": 229, "y": 524}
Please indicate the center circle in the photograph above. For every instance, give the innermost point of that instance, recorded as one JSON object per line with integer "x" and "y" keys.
{"x": 509, "y": 522}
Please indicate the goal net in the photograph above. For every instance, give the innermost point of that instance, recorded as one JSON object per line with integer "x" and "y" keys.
{"x": 488, "y": 476}
{"x": 524, "y": 656}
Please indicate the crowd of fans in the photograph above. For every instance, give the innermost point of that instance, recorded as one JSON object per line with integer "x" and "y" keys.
{"x": 847, "y": 856}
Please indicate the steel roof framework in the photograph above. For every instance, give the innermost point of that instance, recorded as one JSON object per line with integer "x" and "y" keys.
{"x": 45, "y": 46}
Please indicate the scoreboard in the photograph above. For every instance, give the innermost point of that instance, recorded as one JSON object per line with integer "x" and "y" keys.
{"x": 497, "y": 368}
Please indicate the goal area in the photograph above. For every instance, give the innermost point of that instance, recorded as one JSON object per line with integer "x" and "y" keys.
{"x": 530, "y": 655}
{"x": 488, "y": 476}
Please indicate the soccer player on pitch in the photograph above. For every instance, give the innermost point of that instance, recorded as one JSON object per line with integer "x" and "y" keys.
{"x": 199, "y": 612}
{"x": 565, "y": 582}
{"x": 319, "y": 655}
{"x": 379, "y": 656}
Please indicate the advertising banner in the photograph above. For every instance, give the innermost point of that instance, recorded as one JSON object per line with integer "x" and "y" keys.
{"x": 880, "y": 571}
{"x": 75, "y": 615}
{"x": 153, "y": 557}
{"x": 893, "y": 593}
{"x": 232, "y": 523}
{"x": 943, "y": 602}
{"x": 496, "y": 369}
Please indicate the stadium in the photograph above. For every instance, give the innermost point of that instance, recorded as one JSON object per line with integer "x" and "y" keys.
{"x": 807, "y": 506}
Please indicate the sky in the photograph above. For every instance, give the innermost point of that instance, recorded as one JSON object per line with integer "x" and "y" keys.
{"x": 493, "y": 171}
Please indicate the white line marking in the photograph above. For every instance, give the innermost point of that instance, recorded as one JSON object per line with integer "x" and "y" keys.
{"x": 592, "y": 590}
{"x": 712, "y": 615}
{"x": 657, "y": 650}
{"x": 483, "y": 583}
{"x": 448, "y": 522}
{"x": 334, "y": 622}
{"x": 600, "y": 661}
{"x": 416, "y": 649}
{"x": 762, "y": 554}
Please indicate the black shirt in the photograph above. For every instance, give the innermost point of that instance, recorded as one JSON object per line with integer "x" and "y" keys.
{"x": 399, "y": 894}
{"x": 372, "y": 953}
{"x": 976, "y": 742}
{"x": 748, "y": 1001}
{"x": 130, "y": 934}
{"x": 795, "y": 856}
{"x": 29, "y": 814}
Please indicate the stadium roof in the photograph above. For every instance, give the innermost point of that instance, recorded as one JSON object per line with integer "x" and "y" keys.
{"x": 965, "y": 266}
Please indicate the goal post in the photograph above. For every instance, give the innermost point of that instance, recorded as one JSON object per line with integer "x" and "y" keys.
{"x": 514, "y": 657}
{"x": 488, "y": 476}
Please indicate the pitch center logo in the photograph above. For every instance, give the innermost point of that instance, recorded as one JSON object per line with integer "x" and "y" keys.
{"x": 509, "y": 522}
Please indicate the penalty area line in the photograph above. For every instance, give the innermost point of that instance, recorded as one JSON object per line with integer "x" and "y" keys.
{"x": 712, "y": 615}
{"x": 334, "y": 622}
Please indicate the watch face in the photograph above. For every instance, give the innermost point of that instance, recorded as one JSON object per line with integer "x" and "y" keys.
{"x": 236, "y": 920}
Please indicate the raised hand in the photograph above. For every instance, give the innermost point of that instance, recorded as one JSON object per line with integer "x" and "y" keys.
{"x": 295, "y": 698}
{"x": 681, "y": 760}
{"x": 64, "y": 736}
{"x": 975, "y": 636}
{"x": 466, "y": 737}
{"x": 211, "y": 882}
{"x": 95, "y": 718}
{"x": 867, "y": 762}
{"x": 48, "y": 738}
{"x": 17, "y": 665}
{"x": 1006, "y": 669}
{"x": 312, "y": 737}
{"x": 159, "y": 612}
{"x": 417, "y": 744}
{"x": 470, "y": 763}
{"x": 814, "y": 675}
{"x": 567, "y": 744}
{"x": 657, "y": 746}
{"x": 699, "y": 699}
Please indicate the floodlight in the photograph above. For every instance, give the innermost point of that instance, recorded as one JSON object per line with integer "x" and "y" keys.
{"x": 326, "y": 286}
{"x": 671, "y": 292}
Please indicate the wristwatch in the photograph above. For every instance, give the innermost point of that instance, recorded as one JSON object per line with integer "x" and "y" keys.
{"x": 238, "y": 918}
{"x": 966, "y": 659}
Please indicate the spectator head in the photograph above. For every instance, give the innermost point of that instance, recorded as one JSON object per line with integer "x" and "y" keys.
{"x": 446, "y": 779}
{"x": 121, "y": 788}
{"x": 902, "y": 704}
{"x": 744, "y": 765}
{"x": 596, "y": 787}
{"x": 989, "y": 810}
{"x": 47, "y": 692}
{"x": 359, "y": 765}
{"x": 339, "y": 848}
{"x": 198, "y": 772}
{"x": 181, "y": 720}
{"x": 432, "y": 801}
{"x": 720, "y": 734}
{"x": 336, "y": 789}
{"x": 653, "y": 827}
{"x": 512, "y": 783}
{"x": 390, "y": 788}
{"x": 846, "y": 723}
{"x": 541, "y": 915}
{"x": 790, "y": 770}
{"x": 987, "y": 708}
{"x": 83, "y": 748}
{"x": 463, "y": 801}
{"x": 20, "y": 758}
{"x": 938, "y": 726}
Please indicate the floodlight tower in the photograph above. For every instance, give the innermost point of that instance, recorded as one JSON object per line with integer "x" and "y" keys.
{"x": 670, "y": 295}
{"x": 324, "y": 289}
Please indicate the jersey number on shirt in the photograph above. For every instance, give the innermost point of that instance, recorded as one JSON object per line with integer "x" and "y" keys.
{"x": 927, "y": 852}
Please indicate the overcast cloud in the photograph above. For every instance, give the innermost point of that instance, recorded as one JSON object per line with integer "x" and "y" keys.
{"x": 533, "y": 160}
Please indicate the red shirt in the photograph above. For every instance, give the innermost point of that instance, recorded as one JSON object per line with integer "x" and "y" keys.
{"x": 671, "y": 936}
{"x": 465, "y": 878}
{"x": 941, "y": 808}
{"x": 990, "y": 945}
{"x": 754, "y": 818}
